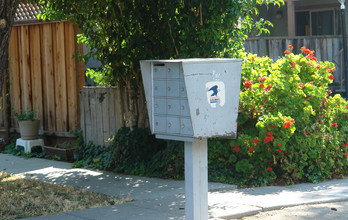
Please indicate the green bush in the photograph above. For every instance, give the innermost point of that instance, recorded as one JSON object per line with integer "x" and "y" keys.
{"x": 289, "y": 127}
{"x": 138, "y": 152}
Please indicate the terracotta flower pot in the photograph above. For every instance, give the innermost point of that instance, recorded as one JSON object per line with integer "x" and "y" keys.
{"x": 29, "y": 129}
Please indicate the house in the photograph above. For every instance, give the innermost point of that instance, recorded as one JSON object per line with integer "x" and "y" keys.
{"x": 316, "y": 24}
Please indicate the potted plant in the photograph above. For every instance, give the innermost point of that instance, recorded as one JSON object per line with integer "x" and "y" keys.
{"x": 28, "y": 125}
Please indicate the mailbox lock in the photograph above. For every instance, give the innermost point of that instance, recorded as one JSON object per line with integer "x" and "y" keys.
{"x": 156, "y": 123}
{"x": 169, "y": 125}
{"x": 169, "y": 106}
{"x": 182, "y": 126}
{"x": 155, "y": 69}
{"x": 156, "y": 88}
{"x": 168, "y": 88}
{"x": 182, "y": 107}
{"x": 156, "y": 106}
{"x": 168, "y": 69}
{"x": 182, "y": 89}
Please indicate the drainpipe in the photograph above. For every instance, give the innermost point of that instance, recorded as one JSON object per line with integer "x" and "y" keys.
{"x": 343, "y": 17}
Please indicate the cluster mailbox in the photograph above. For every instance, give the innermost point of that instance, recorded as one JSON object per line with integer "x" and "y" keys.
{"x": 192, "y": 98}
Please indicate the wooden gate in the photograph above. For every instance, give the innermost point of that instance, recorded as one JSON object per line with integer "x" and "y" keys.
{"x": 45, "y": 76}
{"x": 100, "y": 114}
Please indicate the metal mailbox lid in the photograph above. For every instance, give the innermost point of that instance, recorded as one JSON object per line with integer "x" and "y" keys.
{"x": 213, "y": 87}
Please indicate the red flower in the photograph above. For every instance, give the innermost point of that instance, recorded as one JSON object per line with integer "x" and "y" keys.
{"x": 293, "y": 64}
{"x": 307, "y": 51}
{"x": 268, "y": 138}
{"x": 291, "y": 47}
{"x": 269, "y": 87}
{"x": 251, "y": 149}
{"x": 279, "y": 145}
{"x": 346, "y": 145}
{"x": 303, "y": 48}
{"x": 255, "y": 141}
{"x": 331, "y": 77}
{"x": 329, "y": 92}
{"x": 280, "y": 150}
{"x": 247, "y": 84}
{"x": 334, "y": 69}
{"x": 269, "y": 169}
{"x": 325, "y": 100}
{"x": 292, "y": 121}
{"x": 287, "y": 124}
{"x": 306, "y": 132}
{"x": 262, "y": 78}
{"x": 318, "y": 67}
{"x": 236, "y": 148}
{"x": 261, "y": 85}
{"x": 301, "y": 85}
{"x": 312, "y": 57}
{"x": 334, "y": 125}
{"x": 252, "y": 58}
{"x": 287, "y": 52}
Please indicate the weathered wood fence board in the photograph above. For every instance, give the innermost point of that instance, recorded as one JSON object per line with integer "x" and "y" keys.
{"x": 99, "y": 120}
{"x": 327, "y": 48}
{"x": 43, "y": 75}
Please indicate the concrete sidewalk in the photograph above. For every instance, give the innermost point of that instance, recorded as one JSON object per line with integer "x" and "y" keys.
{"x": 165, "y": 199}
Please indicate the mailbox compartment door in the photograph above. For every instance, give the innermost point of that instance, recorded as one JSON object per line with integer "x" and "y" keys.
{"x": 160, "y": 106}
{"x": 173, "y": 107}
{"x": 159, "y": 88}
{"x": 173, "y": 70}
{"x": 160, "y": 125}
{"x": 159, "y": 71}
{"x": 172, "y": 88}
{"x": 184, "y": 108}
{"x": 173, "y": 125}
{"x": 186, "y": 127}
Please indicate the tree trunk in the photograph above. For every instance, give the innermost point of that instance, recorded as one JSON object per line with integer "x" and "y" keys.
{"x": 132, "y": 106}
{"x": 7, "y": 12}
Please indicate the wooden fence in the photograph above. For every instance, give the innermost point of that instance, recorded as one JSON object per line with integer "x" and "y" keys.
{"x": 327, "y": 48}
{"x": 100, "y": 114}
{"x": 45, "y": 76}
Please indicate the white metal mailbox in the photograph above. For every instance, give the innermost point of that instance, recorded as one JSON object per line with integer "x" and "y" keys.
{"x": 192, "y": 98}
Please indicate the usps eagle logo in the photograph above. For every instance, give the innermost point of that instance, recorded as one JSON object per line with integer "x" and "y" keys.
{"x": 215, "y": 93}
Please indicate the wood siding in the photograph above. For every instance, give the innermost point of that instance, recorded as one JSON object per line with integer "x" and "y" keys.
{"x": 327, "y": 48}
{"x": 43, "y": 76}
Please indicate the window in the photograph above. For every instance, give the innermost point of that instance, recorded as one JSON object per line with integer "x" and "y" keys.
{"x": 317, "y": 23}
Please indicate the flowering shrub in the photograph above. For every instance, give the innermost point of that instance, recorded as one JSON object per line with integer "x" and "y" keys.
{"x": 289, "y": 128}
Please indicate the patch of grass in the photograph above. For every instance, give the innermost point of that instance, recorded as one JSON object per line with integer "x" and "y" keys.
{"x": 23, "y": 198}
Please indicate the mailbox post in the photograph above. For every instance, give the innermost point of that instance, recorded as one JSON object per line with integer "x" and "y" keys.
{"x": 191, "y": 100}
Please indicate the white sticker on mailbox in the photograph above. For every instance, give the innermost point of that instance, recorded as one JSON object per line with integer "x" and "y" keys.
{"x": 215, "y": 93}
